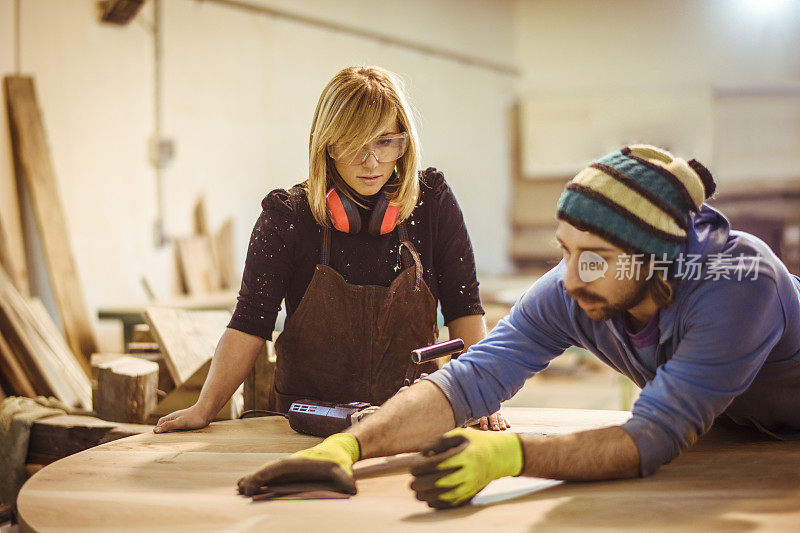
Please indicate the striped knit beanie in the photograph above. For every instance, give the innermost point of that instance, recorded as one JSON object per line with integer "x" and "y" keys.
{"x": 640, "y": 198}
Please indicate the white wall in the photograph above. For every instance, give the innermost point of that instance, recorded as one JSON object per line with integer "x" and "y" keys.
{"x": 660, "y": 50}
{"x": 239, "y": 93}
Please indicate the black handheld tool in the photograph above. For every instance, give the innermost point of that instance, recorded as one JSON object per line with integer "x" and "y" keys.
{"x": 315, "y": 417}
{"x": 322, "y": 419}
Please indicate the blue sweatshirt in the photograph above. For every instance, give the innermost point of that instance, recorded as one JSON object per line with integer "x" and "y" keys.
{"x": 725, "y": 346}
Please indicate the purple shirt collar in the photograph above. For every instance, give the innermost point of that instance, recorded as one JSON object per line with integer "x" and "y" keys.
{"x": 647, "y": 337}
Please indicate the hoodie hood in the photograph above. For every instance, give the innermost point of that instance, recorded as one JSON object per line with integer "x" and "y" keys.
{"x": 708, "y": 235}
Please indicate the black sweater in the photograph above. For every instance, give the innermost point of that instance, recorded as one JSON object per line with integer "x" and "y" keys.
{"x": 285, "y": 248}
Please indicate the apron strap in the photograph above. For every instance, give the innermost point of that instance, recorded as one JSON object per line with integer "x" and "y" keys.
{"x": 405, "y": 242}
{"x": 325, "y": 251}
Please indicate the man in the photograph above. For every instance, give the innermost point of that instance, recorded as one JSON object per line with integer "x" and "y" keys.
{"x": 656, "y": 284}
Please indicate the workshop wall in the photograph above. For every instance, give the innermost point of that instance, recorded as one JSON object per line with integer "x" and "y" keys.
{"x": 239, "y": 90}
{"x": 715, "y": 79}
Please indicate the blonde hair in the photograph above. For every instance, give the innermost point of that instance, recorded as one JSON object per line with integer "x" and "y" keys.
{"x": 355, "y": 107}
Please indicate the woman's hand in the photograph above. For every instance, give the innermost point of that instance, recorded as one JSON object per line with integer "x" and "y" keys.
{"x": 191, "y": 418}
{"x": 495, "y": 422}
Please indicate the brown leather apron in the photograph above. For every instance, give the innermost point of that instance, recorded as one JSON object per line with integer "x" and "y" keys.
{"x": 347, "y": 343}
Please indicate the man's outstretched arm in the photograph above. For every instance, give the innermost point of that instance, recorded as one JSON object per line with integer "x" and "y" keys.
{"x": 406, "y": 422}
{"x": 607, "y": 453}
{"x": 412, "y": 419}
{"x": 462, "y": 462}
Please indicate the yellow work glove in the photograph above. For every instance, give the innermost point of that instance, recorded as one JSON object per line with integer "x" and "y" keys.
{"x": 330, "y": 462}
{"x": 462, "y": 462}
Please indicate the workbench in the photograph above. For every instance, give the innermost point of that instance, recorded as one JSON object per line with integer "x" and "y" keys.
{"x": 729, "y": 481}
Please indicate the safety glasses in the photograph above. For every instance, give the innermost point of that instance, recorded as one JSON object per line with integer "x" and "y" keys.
{"x": 385, "y": 148}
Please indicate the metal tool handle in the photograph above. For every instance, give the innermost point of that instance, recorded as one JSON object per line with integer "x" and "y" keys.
{"x": 435, "y": 351}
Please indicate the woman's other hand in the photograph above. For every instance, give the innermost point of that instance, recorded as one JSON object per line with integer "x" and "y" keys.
{"x": 495, "y": 422}
{"x": 184, "y": 419}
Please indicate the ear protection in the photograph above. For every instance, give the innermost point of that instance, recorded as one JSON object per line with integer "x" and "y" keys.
{"x": 344, "y": 215}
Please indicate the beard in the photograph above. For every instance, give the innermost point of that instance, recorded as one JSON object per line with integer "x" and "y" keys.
{"x": 607, "y": 310}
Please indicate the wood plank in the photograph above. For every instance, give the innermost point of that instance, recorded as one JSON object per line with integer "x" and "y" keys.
{"x": 42, "y": 353}
{"x": 68, "y": 364}
{"x": 13, "y": 373}
{"x": 31, "y": 150}
{"x": 12, "y": 222}
{"x": 200, "y": 218}
{"x": 126, "y": 389}
{"x": 7, "y": 260}
{"x": 226, "y": 257}
{"x": 258, "y": 383}
{"x": 198, "y": 264}
{"x": 187, "y": 338}
{"x": 143, "y": 347}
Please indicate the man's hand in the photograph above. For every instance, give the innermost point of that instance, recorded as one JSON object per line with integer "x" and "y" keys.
{"x": 330, "y": 461}
{"x": 461, "y": 463}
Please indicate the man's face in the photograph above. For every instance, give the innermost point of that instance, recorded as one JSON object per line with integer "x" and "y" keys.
{"x": 606, "y": 296}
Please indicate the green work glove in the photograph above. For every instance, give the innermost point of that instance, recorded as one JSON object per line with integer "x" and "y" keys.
{"x": 330, "y": 462}
{"x": 462, "y": 462}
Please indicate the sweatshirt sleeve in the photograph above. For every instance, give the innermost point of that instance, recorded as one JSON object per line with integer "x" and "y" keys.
{"x": 522, "y": 344}
{"x": 730, "y": 330}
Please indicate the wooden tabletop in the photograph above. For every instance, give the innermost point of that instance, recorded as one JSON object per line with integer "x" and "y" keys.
{"x": 729, "y": 481}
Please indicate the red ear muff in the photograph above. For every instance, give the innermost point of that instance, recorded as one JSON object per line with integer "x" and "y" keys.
{"x": 345, "y": 217}
{"x": 384, "y": 216}
{"x": 342, "y": 212}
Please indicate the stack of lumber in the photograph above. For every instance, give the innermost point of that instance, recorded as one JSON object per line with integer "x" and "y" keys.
{"x": 38, "y": 356}
{"x": 36, "y": 359}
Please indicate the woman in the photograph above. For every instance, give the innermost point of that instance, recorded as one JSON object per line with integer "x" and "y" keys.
{"x": 361, "y": 252}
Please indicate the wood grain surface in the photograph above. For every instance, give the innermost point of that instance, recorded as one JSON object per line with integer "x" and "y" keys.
{"x": 729, "y": 481}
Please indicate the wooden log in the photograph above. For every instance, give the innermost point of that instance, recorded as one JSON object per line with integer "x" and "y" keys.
{"x": 34, "y": 162}
{"x": 165, "y": 383}
{"x": 126, "y": 389}
{"x": 56, "y": 437}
